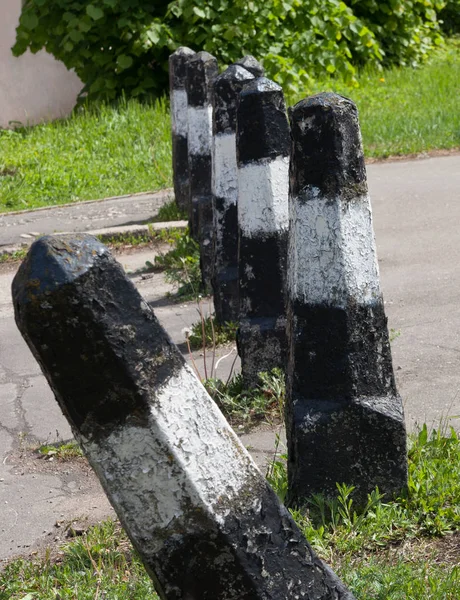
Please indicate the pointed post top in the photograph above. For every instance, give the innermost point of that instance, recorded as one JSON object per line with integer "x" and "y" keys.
{"x": 263, "y": 128}
{"x": 252, "y": 65}
{"x": 227, "y": 87}
{"x": 327, "y": 150}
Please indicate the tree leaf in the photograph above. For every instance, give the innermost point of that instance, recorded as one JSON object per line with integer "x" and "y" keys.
{"x": 94, "y": 12}
{"x": 29, "y": 20}
{"x": 124, "y": 61}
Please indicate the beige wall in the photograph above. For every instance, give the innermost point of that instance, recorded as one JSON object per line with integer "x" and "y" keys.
{"x": 33, "y": 87}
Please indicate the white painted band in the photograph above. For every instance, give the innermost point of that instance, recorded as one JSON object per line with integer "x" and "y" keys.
{"x": 179, "y": 112}
{"x": 332, "y": 254}
{"x": 199, "y": 130}
{"x": 263, "y": 196}
{"x": 225, "y": 168}
{"x": 186, "y": 457}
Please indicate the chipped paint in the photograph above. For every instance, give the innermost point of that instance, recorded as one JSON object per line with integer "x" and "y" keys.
{"x": 179, "y": 111}
{"x": 263, "y": 197}
{"x": 332, "y": 251}
{"x": 199, "y": 130}
{"x": 225, "y": 169}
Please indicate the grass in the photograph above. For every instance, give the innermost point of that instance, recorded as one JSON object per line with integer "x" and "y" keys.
{"x": 97, "y": 152}
{"x": 114, "y": 150}
{"x": 402, "y": 549}
{"x": 170, "y": 212}
{"x": 406, "y": 110}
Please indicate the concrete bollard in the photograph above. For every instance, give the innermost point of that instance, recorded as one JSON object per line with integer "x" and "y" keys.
{"x": 204, "y": 521}
{"x": 179, "y": 125}
{"x": 344, "y": 417}
{"x": 252, "y": 65}
{"x": 227, "y": 87}
{"x": 263, "y": 145}
{"x": 201, "y": 72}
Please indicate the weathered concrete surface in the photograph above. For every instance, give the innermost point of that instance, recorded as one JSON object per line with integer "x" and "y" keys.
{"x": 263, "y": 147}
{"x": 344, "y": 417}
{"x": 19, "y": 227}
{"x": 416, "y": 206}
{"x": 42, "y": 493}
{"x": 201, "y": 516}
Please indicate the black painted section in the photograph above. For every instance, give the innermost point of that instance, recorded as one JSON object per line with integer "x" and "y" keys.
{"x": 102, "y": 354}
{"x": 326, "y": 147}
{"x": 181, "y": 173}
{"x": 361, "y": 442}
{"x": 178, "y": 67}
{"x": 227, "y": 88}
{"x": 225, "y": 278}
{"x": 202, "y": 69}
{"x": 200, "y": 190}
{"x": 206, "y": 236}
{"x": 263, "y": 128}
{"x": 262, "y": 274}
{"x": 252, "y": 65}
{"x": 340, "y": 353}
{"x": 257, "y": 554}
{"x": 262, "y": 346}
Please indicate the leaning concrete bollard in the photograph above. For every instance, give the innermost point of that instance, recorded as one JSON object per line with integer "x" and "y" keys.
{"x": 263, "y": 145}
{"x": 201, "y": 72}
{"x": 227, "y": 87}
{"x": 252, "y": 65}
{"x": 179, "y": 125}
{"x": 204, "y": 521}
{"x": 344, "y": 417}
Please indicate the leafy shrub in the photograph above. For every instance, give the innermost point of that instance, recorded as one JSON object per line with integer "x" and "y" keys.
{"x": 123, "y": 45}
{"x": 407, "y": 30}
{"x": 450, "y": 17}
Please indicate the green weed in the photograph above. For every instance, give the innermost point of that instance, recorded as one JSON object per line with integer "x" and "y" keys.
{"x": 248, "y": 407}
{"x": 210, "y": 334}
{"x": 61, "y": 450}
{"x": 15, "y": 256}
{"x": 182, "y": 265}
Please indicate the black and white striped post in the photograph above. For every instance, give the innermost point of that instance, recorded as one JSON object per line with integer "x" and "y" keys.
{"x": 263, "y": 146}
{"x": 344, "y": 417}
{"x": 227, "y": 87}
{"x": 179, "y": 125}
{"x": 204, "y": 521}
{"x": 201, "y": 72}
{"x": 252, "y": 65}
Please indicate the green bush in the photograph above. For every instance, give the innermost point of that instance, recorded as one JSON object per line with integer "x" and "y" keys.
{"x": 407, "y": 30}
{"x": 450, "y": 17}
{"x": 120, "y": 46}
